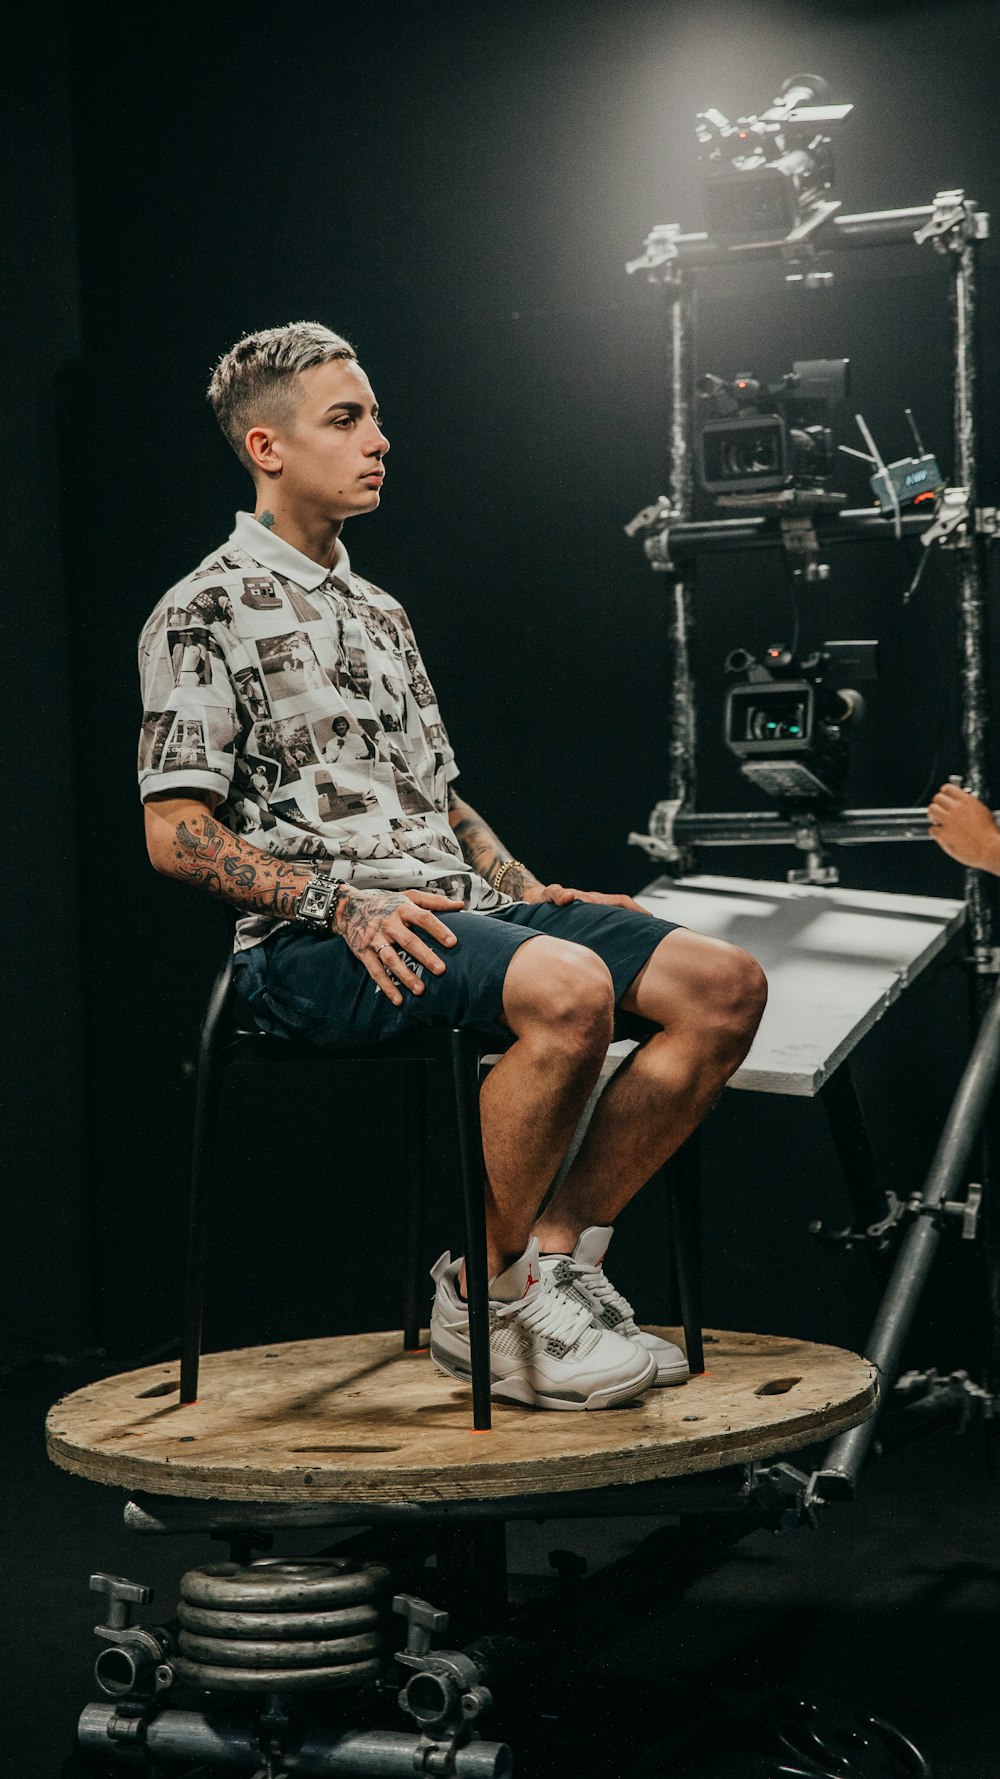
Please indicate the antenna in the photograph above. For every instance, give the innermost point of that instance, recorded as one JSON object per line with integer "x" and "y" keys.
{"x": 876, "y": 456}
{"x": 917, "y": 440}
{"x": 890, "y": 486}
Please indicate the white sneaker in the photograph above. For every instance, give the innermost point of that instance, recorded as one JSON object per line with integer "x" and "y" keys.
{"x": 545, "y": 1350}
{"x": 580, "y": 1278}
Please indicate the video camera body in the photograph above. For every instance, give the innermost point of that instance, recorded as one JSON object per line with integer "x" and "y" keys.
{"x": 784, "y": 721}
{"x": 763, "y": 437}
{"x": 769, "y": 176}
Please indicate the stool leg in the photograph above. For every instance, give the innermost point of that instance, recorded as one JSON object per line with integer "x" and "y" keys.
{"x": 465, "y": 1081}
{"x": 413, "y": 1202}
{"x": 685, "y": 1226}
{"x": 199, "y": 1203}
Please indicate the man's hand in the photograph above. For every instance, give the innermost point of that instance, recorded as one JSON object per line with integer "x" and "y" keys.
{"x": 556, "y": 892}
{"x": 964, "y": 828}
{"x": 380, "y": 924}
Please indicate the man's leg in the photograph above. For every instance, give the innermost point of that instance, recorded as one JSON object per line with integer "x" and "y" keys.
{"x": 545, "y": 1351}
{"x": 707, "y": 997}
{"x": 558, "y": 1000}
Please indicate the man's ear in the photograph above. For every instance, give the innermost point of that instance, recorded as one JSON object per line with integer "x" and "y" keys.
{"x": 263, "y": 450}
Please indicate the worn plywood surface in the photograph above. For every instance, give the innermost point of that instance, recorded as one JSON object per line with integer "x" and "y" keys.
{"x": 356, "y": 1420}
{"x": 835, "y": 961}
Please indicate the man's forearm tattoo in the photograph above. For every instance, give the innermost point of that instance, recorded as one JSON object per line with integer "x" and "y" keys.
{"x": 482, "y": 849}
{"x": 516, "y": 881}
{"x": 207, "y": 855}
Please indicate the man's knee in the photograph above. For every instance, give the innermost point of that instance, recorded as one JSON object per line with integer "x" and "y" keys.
{"x": 738, "y": 990}
{"x": 693, "y": 979}
{"x": 562, "y": 993}
{"x": 732, "y": 993}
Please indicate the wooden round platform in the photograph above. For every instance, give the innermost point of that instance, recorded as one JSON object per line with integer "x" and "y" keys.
{"x": 357, "y": 1420}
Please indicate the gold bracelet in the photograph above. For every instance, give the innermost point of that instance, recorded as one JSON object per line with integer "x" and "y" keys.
{"x": 501, "y": 872}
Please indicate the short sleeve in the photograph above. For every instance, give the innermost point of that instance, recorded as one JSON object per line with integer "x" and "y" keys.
{"x": 189, "y": 715}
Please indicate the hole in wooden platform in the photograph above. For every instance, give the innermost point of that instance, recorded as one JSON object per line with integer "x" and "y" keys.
{"x": 777, "y": 1386}
{"x": 344, "y": 1448}
{"x": 166, "y": 1389}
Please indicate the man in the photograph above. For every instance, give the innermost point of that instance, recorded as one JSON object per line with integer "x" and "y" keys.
{"x": 378, "y": 898}
{"x": 964, "y": 828}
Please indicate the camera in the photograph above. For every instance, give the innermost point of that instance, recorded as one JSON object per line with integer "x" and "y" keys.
{"x": 784, "y": 722}
{"x": 770, "y": 176}
{"x": 763, "y": 437}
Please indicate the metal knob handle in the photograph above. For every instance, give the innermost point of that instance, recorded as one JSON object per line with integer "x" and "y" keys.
{"x": 121, "y": 1595}
{"x": 422, "y": 1621}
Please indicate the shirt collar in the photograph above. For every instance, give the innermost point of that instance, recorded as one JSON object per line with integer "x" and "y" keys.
{"x": 283, "y": 558}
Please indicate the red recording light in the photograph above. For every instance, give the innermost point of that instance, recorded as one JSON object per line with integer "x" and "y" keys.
{"x": 919, "y": 498}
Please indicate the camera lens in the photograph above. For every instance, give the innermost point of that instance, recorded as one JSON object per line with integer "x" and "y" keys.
{"x": 750, "y": 454}
{"x": 780, "y": 719}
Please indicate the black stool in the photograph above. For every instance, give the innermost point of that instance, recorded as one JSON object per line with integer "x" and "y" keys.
{"x": 223, "y": 1044}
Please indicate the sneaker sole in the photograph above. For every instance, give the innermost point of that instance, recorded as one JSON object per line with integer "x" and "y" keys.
{"x": 519, "y": 1388}
{"x": 668, "y": 1380}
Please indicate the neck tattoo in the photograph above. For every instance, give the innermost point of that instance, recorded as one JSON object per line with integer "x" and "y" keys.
{"x": 266, "y": 519}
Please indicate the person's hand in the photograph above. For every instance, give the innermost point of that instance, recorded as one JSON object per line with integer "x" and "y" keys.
{"x": 556, "y": 892}
{"x": 380, "y": 924}
{"x": 964, "y": 828}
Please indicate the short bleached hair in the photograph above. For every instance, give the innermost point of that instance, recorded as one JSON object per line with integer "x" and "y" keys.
{"x": 254, "y": 381}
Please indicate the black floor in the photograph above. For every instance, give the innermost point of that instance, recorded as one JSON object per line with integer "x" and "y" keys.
{"x": 893, "y": 1607}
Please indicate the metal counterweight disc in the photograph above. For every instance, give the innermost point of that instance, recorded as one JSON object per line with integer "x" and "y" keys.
{"x": 238, "y": 1654}
{"x": 278, "y": 1680}
{"x": 348, "y": 1621}
{"x": 276, "y": 1584}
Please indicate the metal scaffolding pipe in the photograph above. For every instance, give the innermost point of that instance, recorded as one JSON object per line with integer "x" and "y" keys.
{"x": 971, "y": 568}
{"x": 681, "y": 765}
{"x": 231, "y": 1740}
{"x": 847, "y": 1453}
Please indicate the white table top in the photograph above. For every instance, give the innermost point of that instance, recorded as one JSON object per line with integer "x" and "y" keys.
{"x": 835, "y": 960}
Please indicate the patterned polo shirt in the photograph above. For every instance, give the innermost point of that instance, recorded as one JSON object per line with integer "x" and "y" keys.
{"x": 298, "y": 694}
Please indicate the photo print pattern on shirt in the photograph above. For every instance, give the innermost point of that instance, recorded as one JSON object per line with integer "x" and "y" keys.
{"x": 288, "y": 742}
{"x": 291, "y": 666}
{"x": 312, "y": 718}
{"x": 190, "y": 656}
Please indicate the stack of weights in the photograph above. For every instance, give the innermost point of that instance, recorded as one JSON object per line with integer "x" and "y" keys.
{"x": 281, "y": 1624}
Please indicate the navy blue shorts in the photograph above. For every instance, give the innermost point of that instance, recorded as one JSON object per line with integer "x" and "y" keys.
{"x": 303, "y": 985}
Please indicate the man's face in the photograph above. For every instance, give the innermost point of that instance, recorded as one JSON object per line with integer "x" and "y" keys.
{"x": 332, "y": 448}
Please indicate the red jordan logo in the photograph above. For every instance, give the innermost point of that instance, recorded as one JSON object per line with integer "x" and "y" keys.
{"x": 531, "y": 1281}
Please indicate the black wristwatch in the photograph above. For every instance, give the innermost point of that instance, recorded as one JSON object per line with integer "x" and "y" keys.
{"x": 318, "y": 904}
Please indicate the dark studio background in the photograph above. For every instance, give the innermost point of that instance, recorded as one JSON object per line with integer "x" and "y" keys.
{"x": 456, "y": 189}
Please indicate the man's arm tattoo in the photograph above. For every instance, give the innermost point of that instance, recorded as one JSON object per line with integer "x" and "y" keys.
{"x": 208, "y": 856}
{"x": 359, "y": 913}
{"x": 482, "y": 849}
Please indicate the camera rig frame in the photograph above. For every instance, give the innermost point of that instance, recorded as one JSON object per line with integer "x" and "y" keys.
{"x": 806, "y": 524}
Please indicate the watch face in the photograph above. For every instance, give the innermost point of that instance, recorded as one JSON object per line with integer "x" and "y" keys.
{"x": 315, "y": 902}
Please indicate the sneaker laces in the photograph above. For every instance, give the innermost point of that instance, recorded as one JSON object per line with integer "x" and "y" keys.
{"x": 551, "y": 1315}
{"x": 595, "y": 1280}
